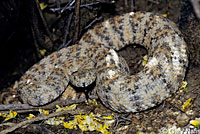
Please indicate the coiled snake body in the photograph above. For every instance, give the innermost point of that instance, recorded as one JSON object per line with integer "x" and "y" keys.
{"x": 95, "y": 58}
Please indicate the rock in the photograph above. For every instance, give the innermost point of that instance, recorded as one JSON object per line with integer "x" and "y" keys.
{"x": 182, "y": 119}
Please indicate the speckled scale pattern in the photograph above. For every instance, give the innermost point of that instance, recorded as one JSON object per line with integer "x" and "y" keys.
{"x": 162, "y": 74}
{"x": 116, "y": 88}
{"x": 47, "y": 80}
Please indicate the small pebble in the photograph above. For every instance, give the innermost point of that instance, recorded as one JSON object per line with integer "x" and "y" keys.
{"x": 182, "y": 119}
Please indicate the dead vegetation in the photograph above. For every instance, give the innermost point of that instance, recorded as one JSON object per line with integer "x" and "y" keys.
{"x": 52, "y": 25}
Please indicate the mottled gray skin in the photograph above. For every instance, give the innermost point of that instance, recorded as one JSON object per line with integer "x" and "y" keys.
{"x": 189, "y": 25}
{"x": 161, "y": 76}
{"x": 47, "y": 80}
{"x": 118, "y": 90}
{"x": 85, "y": 75}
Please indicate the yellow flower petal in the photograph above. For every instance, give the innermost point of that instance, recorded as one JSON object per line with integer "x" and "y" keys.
{"x": 46, "y": 112}
{"x": 195, "y": 122}
{"x": 186, "y": 104}
{"x": 43, "y": 51}
{"x": 15, "y": 85}
{"x": 139, "y": 132}
{"x": 184, "y": 84}
{"x": 108, "y": 117}
{"x": 42, "y": 6}
{"x": 11, "y": 115}
{"x": 55, "y": 121}
{"x": 88, "y": 122}
{"x": 3, "y": 115}
{"x": 71, "y": 107}
{"x": 164, "y": 15}
{"x": 69, "y": 125}
{"x": 145, "y": 59}
{"x": 30, "y": 116}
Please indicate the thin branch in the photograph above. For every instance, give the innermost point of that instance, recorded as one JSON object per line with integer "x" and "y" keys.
{"x": 39, "y": 56}
{"x": 91, "y": 23}
{"x": 27, "y": 108}
{"x": 77, "y": 20}
{"x": 132, "y": 5}
{"x": 65, "y": 44}
{"x": 88, "y": 6}
{"x": 68, "y": 5}
{"x": 7, "y": 124}
{"x": 196, "y": 7}
{"x": 22, "y": 108}
{"x": 126, "y": 3}
{"x": 67, "y": 29}
{"x": 39, "y": 118}
{"x": 44, "y": 23}
{"x": 153, "y": 1}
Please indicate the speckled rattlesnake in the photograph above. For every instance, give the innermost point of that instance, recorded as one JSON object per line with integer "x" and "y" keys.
{"x": 95, "y": 58}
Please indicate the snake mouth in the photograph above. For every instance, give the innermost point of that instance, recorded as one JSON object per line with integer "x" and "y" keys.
{"x": 87, "y": 89}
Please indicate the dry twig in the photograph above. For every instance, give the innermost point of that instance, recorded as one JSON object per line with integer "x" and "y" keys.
{"x": 77, "y": 20}
{"x": 196, "y": 7}
{"x": 39, "y": 118}
{"x": 22, "y": 108}
{"x": 153, "y": 1}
